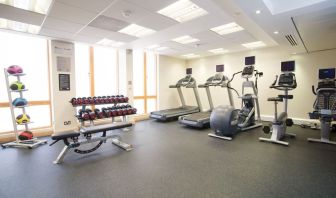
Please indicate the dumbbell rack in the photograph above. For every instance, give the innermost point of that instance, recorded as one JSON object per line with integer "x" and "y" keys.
{"x": 83, "y": 106}
{"x": 19, "y": 143}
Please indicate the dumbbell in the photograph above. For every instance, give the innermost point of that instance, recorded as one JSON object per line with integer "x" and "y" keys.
{"x": 113, "y": 99}
{"x": 99, "y": 114}
{"x": 92, "y": 115}
{"x": 73, "y": 101}
{"x": 113, "y": 112}
{"x": 85, "y": 100}
{"x": 108, "y": 98}
{"x": 91, "y": 100}
{"x": 126, "y": 99}
{"x": 79, "y": 101}
{"x": 110, "y": 110}
{"x": 124, "y": 111}
{"x": 106, "y": 112}
{"x": 83, "y": 115}
{"x": 134, "y": 110}
{"x": 104, "y": 100}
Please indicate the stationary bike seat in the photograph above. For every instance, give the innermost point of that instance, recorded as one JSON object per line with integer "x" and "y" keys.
{"x": 275, "y": 99}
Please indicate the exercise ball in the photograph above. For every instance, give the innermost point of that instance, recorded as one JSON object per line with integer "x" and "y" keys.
{"x": 17, "y": 85}
{"x": 19, "y": 102}
{"x": 14, "y": 69}
{"x": 22, "y": 118}
{"x": 223, "y": 120}
{"x": 26, "y": 135}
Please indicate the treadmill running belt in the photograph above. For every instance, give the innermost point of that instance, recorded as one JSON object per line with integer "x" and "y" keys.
{"x": 198, "y": 116}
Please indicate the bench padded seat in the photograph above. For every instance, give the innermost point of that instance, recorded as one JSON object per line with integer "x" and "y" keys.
{"x": 69, "y": 134}
{"x": 105, "y": 127}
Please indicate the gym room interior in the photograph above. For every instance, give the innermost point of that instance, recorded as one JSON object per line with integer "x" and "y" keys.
{"x": 167, "y": 98}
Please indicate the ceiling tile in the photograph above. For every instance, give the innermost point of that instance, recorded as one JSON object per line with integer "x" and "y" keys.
{"x": 136, "y": 13}
{"x": 89, "y": 5}
{"x": 108, "y": 23}
{"x": 152, "y": 5}
{"x": 20, "y": 15}
{"x": 156, "y": 21}
{"x": 117, "y": 36}
{"x": 55, "y": 33}
{"x": 71, "y": 14}
{"x": 100, "y": 33}
{"x": 62, "y": 25}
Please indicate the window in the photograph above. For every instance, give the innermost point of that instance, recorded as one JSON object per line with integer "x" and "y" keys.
{"x": 105, "y": 71}
{"x": 82, "y": 65}
{"x": 31, "y": 53}
{"x": 100, "y": 71}
{"x": 144, "y": 81}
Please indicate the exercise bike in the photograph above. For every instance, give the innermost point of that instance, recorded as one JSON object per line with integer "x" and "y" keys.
{"x": 325, "y": 104}
{"x": 226, "y": 121}
{"x": 285, "y": 82}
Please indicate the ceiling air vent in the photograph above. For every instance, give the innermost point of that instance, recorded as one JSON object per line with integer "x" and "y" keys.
{"x": 291, "y": 39}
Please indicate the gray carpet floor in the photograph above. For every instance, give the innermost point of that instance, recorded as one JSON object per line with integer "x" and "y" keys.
{"x": 172, "y": 161}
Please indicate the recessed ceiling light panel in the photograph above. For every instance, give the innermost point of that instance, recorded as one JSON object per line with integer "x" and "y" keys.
{"x": 254, "y": 45}
{"x": 137, "y": 30}
{"x": 227, "y": 28}
{"x": 185, "y": 39}
{"x": 18, "y": 26}
{"x": 39, "y": 6}
{"x": 182, "y": 11}
{"x": 191, "y": 55}
{"x": 218, "y": 51}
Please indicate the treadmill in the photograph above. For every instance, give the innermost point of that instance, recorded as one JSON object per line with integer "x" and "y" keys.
{"x": 202, "y": 119}
{"x": 170, "y": 114}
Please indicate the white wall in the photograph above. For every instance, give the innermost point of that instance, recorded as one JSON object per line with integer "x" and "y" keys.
{"x": 170, "y": 70}
{"x": 268, "y": 61}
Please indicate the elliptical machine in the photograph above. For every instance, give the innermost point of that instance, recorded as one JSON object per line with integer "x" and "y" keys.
{"x": 226, "y": 121}
{"x": 285, "y": 82}
{"x": 325, "y": 104}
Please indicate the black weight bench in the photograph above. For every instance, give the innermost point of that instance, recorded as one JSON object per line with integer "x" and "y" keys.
{"x": 71, "y": 139}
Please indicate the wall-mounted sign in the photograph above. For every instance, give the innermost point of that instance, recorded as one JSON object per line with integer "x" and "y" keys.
{"x": 63, "y": 64}
{"x": 64, "y": 82}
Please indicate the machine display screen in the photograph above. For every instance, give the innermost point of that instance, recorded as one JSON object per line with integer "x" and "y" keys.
{"x": 327, "y": 73}
{"x": 250, "y": 60}
{"x": 219, "y": 68}
{"x": 189, "y": 71}
{"x": 288, "y": 66}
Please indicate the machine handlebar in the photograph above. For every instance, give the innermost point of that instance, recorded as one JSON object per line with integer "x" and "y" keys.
{"x": 313, "y": 89}
{"x": 276, "y": 79}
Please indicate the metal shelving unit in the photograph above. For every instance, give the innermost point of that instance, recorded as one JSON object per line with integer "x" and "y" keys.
{"x": 19, "y": 143}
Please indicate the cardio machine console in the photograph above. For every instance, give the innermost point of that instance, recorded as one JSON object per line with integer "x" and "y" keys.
{"x": 327, "y": 78}
{"x": 186, "y": 80}
{"x": 219, "y": 77}
{"x": 249, "y": 67}
{"x": 287, "y": 78}
{"x": 248, "y": 71}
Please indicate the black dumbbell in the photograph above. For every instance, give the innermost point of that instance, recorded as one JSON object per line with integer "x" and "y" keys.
{"x": 106, "y": 112}
{"x": 79, "y": 101}
{"x": 73, "y": 101}
{"x": 98, "y": 100}
{"x": 99, "y": 114}
{"x": 83, "y": 115}
{"x": 92, "y": 115}
{"x": 126, "y": 99}
{"x": 90, "y": 99}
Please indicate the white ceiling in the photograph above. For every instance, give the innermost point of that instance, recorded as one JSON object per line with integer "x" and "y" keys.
{"x": 89, "y": 21}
